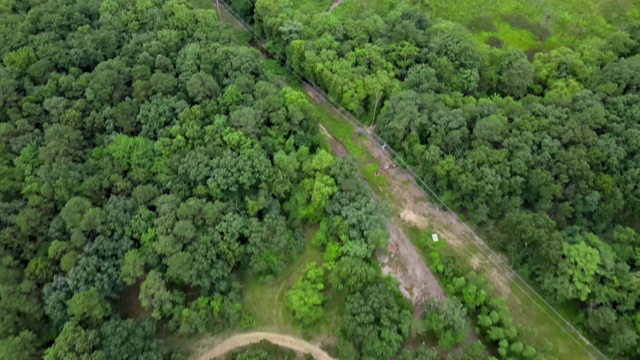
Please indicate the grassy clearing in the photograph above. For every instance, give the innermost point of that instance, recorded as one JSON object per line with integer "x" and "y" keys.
{"x": 537, "y": 24}
{"x": 201, "y": 4}
{"x": 528, "y": 24}
{"x": 350, "y": 7}
{"x": 312, "y": 6}
{"x": 367, "y": 164}
{"x": 264, "y": 298}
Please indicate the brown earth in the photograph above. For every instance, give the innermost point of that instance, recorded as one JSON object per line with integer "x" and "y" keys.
{"x": 404, "y": 263}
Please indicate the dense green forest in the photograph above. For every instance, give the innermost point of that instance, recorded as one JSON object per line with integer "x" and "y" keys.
{"x": 146, "y": 166}
{"x": 542, "y": 152}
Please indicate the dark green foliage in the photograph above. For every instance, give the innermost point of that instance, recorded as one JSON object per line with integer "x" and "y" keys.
{"x": 141, "y": 149}
{"x": 376, "y": 320}
{"x": 126, "y": 339}
{"x": 541, "y": 152}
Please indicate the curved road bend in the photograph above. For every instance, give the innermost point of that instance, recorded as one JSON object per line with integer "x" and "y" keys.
{"x": 285, "y": 341}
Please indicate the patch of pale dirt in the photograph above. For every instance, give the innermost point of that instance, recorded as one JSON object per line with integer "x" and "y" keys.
{"x": 334, "y": 5}
{"x": 289, "y": 342}
{"x": 416, "y": 209}
{"x": 404, "y": 263}
{"x": 336, "y": 147}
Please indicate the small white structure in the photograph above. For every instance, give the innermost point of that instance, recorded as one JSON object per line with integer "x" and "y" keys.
{"x": 434, "y": 237}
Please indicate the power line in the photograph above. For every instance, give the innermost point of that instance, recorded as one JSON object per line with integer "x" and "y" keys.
{"x": 428, "y": 191}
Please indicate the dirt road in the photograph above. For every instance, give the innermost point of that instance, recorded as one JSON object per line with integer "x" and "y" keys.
{"x": 401, "y": 260}
{"x": 286, "y": 341}
{"x": 334, "y": 5}
{"x": 404, "y": 263}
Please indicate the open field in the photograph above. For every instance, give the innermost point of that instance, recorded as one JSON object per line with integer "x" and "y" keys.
{"x": 536, "y": 24}
{"x": 528, "y": 24}
{"x": 264, "y": 299}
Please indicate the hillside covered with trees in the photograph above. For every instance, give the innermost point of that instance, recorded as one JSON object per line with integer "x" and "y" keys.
{"x": 146, "y": 166}
{"x": 542, "y": 151}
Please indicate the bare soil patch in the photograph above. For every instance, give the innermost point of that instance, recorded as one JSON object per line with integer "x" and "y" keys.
{"x": 415, "y": 208}
{"x": 334, "y": 5}
{"x": 404, "y": 263}
{"x": 336, "y": 147}
{"x": 129, "y": 304}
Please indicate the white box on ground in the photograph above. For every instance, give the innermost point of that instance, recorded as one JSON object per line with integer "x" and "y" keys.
{"x": 434, "y": 237}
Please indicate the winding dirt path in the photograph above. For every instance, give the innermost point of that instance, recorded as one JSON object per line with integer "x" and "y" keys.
{"x": 286, "y": 341}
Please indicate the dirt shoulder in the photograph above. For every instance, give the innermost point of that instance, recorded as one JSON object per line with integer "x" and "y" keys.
{"x": 404, "y": 263}
{"x": 286, "y": 341}
{"x": 401, "y": 259}
{"x": 336, "y": 147}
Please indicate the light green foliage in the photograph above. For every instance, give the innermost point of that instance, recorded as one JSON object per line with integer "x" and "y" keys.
{"x": 132, "y": 267}
{"x": 21, "y": 346}
{"x": 577, "y": 271}
{"x": 20, "y": 59}
{"x": 155, "y": 296}
{"x": 305, "y": 298}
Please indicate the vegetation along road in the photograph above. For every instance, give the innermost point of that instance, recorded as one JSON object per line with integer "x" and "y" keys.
{"x": 286, "y": 341}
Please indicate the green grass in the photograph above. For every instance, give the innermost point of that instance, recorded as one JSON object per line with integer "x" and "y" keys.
{"x": 565, "y": 20}
{"x": 543, "y": 24}
{"x": 264, "y": 298}
{"x": 201, "y": 4}
{"x": 350, "y": 7}
{"x": 367, "y": 164}
{"x": 311, "y": 6}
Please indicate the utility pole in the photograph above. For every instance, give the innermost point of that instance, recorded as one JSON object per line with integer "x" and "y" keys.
{"x": 218, "y": 6}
